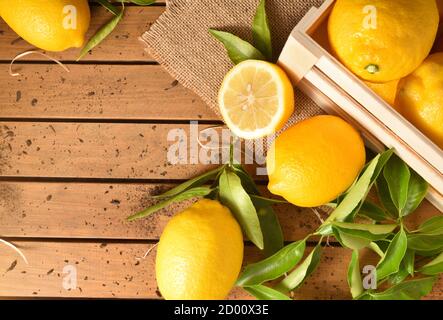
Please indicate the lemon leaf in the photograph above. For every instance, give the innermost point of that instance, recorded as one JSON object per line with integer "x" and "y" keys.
{"x": 394, "y": 255}
{"x": 270, "y": 226}
{"x": 265, "y": 293}
{"x": 238, "y": 50}
{"x": 432, "y": 226}
{"x": 408, "y": 290}
{"x": 354, "y": 276}
{"x": 192, "y": 183}
{"x": 188, "y": 194}
{"x": 385, "y": 197}
{"x": 101, "y": 34}
{"x": 238, "y": 201}
{"x": 397, "y": 175}
{"x": 353, "y": 200}
{"x": 261, "y": 32}
{"x": 417, "y": 190}
{"x": 110, "y": 7}
{"x": 301, "y": 272}
{"x": 273, "y": 267}
{"x": 372, "y": 211}
{"x": 143, "y": 2}
{"x": 434, "y": 267}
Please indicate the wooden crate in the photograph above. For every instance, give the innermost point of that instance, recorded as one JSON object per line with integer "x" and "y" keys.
{"x": 307, "y": 60}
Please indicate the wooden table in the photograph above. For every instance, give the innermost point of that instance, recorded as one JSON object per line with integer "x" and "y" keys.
{"x": 81, "y": 151}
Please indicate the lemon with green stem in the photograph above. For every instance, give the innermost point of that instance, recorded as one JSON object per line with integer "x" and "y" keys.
{"x": 382, "y": 41}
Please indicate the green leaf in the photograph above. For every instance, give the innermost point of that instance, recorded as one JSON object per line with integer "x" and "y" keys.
{"x": 397, "y": 175}
{"x": 350, "y": 241}
{"x": 101, "y": 34}
{"x": 385, "y": 197}
{"x": 188, "y": 194}
{"x": 376, "y": 248}
{"x": 432, "y": 226}
{"x": 354, "y": 276}
{"x": 192, "y": 183}
{"x": 408, "y": 290}
{"x": 417, "y": 190}
{"x": 273, "y": 267}
{"x": 406, "y": 268}
{"x": 260, "y": 201}
{"x": 357, "y": 236}
{"x": 360, "y": 190}
{"x": 235, "y": 198}
{"x": 265, "y": 293}
{"x": 409, "y": 262}
{"x": 425, "y": 244}
{"x": 246, "y": 180}
{"x": 261, "y": 32}
{"x": 372, "y": 231}
{"x": 271, "y": 230}
{"x": 398, "y": 277}
{"x": 270, "y": 226}
{"x": 110, "y": 7}
{"x": 238, "y": 49}
{"x": 143, "y": 2}
{"x": 393, "y": 257}
{"x": 372, "y": 211}
{"x": 434, "y": 267}
{"x": 301, "y": 272}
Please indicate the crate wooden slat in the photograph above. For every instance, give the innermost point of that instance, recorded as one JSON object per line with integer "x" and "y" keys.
{"x": 307, "y": 61}
{"x": 138, "y": 92}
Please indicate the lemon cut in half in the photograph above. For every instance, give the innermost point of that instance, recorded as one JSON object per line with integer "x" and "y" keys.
{"x": 256, "y": 99}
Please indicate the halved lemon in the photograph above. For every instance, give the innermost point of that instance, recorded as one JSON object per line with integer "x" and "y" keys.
{"x": 256, "y": 99}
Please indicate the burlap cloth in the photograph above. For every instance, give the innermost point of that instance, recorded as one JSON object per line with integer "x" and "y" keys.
{"x": 180, "y": 41}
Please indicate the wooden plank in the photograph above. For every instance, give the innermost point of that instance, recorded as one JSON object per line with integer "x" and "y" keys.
{"x": 97, "y": 210}
{"x": 97, "y": 92}
{"x": 111, "y": 270}
{"x": 100, "y": 150}
{"x": 122, "y": 45}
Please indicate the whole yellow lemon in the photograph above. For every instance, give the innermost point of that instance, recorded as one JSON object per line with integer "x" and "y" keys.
{"x": 420, "y": 98}
{"x": 383, "y": 40}
{"x": 200, "y": 253}
{"x": 49, "y": 25}
{"x": 315, "y": 161}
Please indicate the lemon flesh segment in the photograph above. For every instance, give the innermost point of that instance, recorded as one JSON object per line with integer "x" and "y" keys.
{"x": 256, "y": 99}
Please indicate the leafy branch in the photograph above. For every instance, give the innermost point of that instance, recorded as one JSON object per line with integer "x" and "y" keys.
{"x": 107, "y": 29}
{"x": 399, "y": 249}
{"x": 234, "y": 188}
